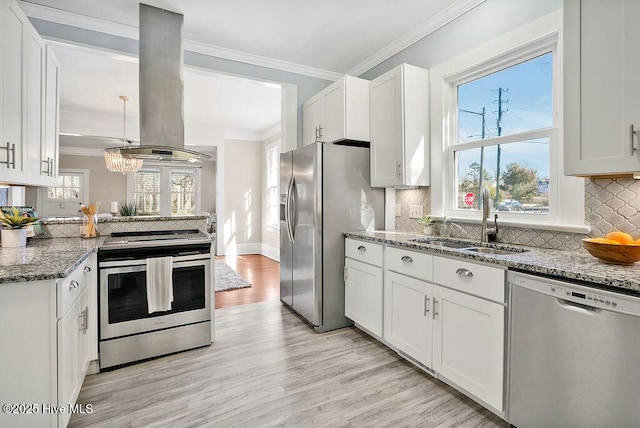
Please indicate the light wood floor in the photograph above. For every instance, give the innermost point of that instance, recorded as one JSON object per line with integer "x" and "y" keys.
{"x": 263, "y": 274}
{"x": 268, "y": 368}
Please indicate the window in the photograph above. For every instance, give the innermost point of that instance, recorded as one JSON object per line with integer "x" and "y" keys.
{"x": 496, "y": 122}
{"x": 272, "y": 169}
{"x": 183, "y": 192}
{"x": 165, "y": 190}
{"x": 68, "y": 187}
{"x": 146, "y": 191}
{"x": 505, "y": 130}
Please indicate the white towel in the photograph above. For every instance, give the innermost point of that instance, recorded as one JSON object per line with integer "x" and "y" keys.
{"x": 159, "y": 284}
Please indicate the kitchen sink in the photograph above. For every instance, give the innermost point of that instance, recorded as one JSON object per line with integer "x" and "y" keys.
{"x": 440, "y": 243}
{"x": 495, "y": 251}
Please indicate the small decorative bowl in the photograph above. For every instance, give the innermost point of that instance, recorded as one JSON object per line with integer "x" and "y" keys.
{"x": 612, "y": 253}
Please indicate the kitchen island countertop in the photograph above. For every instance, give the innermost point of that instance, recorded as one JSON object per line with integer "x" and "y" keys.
{"x": 44, "y": 259}
{"x": 574, "y": 265}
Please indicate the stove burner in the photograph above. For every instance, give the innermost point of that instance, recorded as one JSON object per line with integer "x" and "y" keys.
{"x": 155, "y": 237}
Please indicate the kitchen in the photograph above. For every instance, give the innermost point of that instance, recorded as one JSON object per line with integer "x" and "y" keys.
{"x": 606, "y": 203}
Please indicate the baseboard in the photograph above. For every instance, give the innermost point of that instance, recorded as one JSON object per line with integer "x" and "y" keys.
{"x": 248, "y": 248}
{"x": 253, "y": 248}
{"x": 271, "y": 252}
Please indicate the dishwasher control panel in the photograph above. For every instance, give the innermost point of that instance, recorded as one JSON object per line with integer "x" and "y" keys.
{"x": 588, "y": 298}
{"x": 577, "y": 293}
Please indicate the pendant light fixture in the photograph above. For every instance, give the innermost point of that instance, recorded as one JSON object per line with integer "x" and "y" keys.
{"x": 113, "y": 158}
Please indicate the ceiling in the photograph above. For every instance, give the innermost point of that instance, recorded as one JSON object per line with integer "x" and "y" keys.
{"x": 331, "y": 36}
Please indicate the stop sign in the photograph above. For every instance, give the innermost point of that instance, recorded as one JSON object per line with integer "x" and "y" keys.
{"x": 469, "y": 198}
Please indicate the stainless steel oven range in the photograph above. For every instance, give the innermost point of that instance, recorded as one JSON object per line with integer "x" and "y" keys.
{"x": 128, "y": 332}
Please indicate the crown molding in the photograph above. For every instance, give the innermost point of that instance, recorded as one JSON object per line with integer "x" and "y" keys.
{"x": 436, "y": 22}
{"x": 59, "y": 16}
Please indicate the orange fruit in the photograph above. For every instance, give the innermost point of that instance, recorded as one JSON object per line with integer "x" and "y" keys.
{"x": 621, "y": 237}
{"x": 602, "y": 240}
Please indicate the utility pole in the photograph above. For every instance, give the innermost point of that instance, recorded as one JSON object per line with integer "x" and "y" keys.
{"x": 501, "y": 111}
{"x": 483, "y": 115}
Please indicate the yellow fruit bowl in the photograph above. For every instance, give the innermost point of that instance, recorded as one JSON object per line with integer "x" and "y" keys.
{"x": 619, "y": 254}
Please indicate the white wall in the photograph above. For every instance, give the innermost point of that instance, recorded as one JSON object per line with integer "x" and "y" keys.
{"x": 481, "y": 24}
{"x": 241, "y": 222}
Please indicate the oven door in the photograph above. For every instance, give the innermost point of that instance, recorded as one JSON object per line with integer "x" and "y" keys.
{"x": 123, "y": 296}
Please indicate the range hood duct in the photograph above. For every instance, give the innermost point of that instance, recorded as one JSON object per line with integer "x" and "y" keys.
{"x": 161, "y": 89}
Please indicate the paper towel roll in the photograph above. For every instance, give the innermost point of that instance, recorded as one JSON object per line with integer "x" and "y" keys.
{"x": 114, "y": 207}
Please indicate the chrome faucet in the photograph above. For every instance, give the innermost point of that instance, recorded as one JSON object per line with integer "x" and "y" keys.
{"x": 489, "y": 234}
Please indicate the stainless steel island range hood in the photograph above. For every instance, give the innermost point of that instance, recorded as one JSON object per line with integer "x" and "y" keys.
{"x": 161, "y": 81}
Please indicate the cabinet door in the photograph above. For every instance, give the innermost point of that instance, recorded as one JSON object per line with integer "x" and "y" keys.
{"x": 50, "y": 144}
{"x": 363, "y": 295}
{"x": 386, "y": 129}
{"x": 69, "y": 374}
{"x": 468, "y": 344}
{"x": 601, "y": 62}
{"x": 333, "y": 112}
{"x": 34, "y": 105}
{"x": 14, "y": 25}
{"x": 311, "y": 112}
{"x": 408, "y": 316}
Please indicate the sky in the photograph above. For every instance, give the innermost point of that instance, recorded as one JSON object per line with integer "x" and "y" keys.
{"x": 526, "y": 104}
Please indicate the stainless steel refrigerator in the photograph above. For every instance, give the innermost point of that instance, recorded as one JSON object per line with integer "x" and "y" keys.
{"x": 324, "y": 191}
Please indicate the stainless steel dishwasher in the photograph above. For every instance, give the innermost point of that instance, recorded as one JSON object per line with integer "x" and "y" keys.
{"x": 574, "y": 355}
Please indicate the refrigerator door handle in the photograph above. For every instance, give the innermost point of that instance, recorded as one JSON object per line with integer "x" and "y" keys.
{"x": 287, "y": 210}
{"x": 293, "y": 207}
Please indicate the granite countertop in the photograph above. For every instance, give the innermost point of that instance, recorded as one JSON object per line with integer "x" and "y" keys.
{"x": 44, "y": 259}
{"x": 576, "y": 265}
{"x": 118, "y": 219}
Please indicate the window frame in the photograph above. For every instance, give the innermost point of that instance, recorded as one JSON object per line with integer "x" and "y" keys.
{"x": 275, "y": 146}
{"x": 527, "y": 42}
{"x": 165, "y": 185}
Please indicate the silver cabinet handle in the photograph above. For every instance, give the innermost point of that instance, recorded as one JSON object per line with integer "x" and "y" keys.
{"x": 86, "y": 320}
{"x": 73, "y": 284}
{"x": 11, "y": 155}
{"x": 398, "y": 169}
{"x": 406, "y": 259}
{"x": 362, "y": 248}
{"x": 435, "y": 311}
{"x": 426, "y": 305}
{"x": 87, "y": 269}
{"x": 632, "y": 132}
{"x": 464, "y": 272}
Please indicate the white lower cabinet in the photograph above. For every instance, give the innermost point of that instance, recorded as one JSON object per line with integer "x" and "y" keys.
{"x": 468, "y": 344}
{"x": 50, "y": 328}
{"x": 363, "y": 295}
{"x": 445, "y": 314}
{"x": 407, "y": 316}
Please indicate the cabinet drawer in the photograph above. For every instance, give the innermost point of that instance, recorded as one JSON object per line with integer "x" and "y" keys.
{"x": 410, "y": 263}
{"x": 479, "y": 280}
{"x": 366, "y": 252}
{"x": 70, "y": 287}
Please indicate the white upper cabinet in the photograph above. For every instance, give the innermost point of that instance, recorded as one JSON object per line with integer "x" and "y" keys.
{"x": 399, "y": 105}
{"x": 338, "y": 112}
{"x": 14, "y": 24}
{"x": 601, "y": 87}
{"x": 34, "y": 104}
{"x": 50, "y": 141}
{"x": 25, "y": 108}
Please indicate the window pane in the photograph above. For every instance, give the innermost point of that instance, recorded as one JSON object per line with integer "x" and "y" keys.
{"x": 183, "y": 182}
{"x": 182, "y": 203}
{"x": 522, "y": 171}
{"x": 147, "y": 181}
{"x": 513, "y": 100}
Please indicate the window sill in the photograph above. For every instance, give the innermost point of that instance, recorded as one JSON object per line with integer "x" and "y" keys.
{"x": 554, "y": 227}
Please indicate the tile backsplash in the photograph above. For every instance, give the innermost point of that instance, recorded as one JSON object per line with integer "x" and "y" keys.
{"x": 610, "y": 203}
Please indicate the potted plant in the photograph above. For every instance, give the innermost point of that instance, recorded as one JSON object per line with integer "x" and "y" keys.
{"x": 427, "y": 222}
{"x": 13, "y": 225}
{"x": 128, "y": 209}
